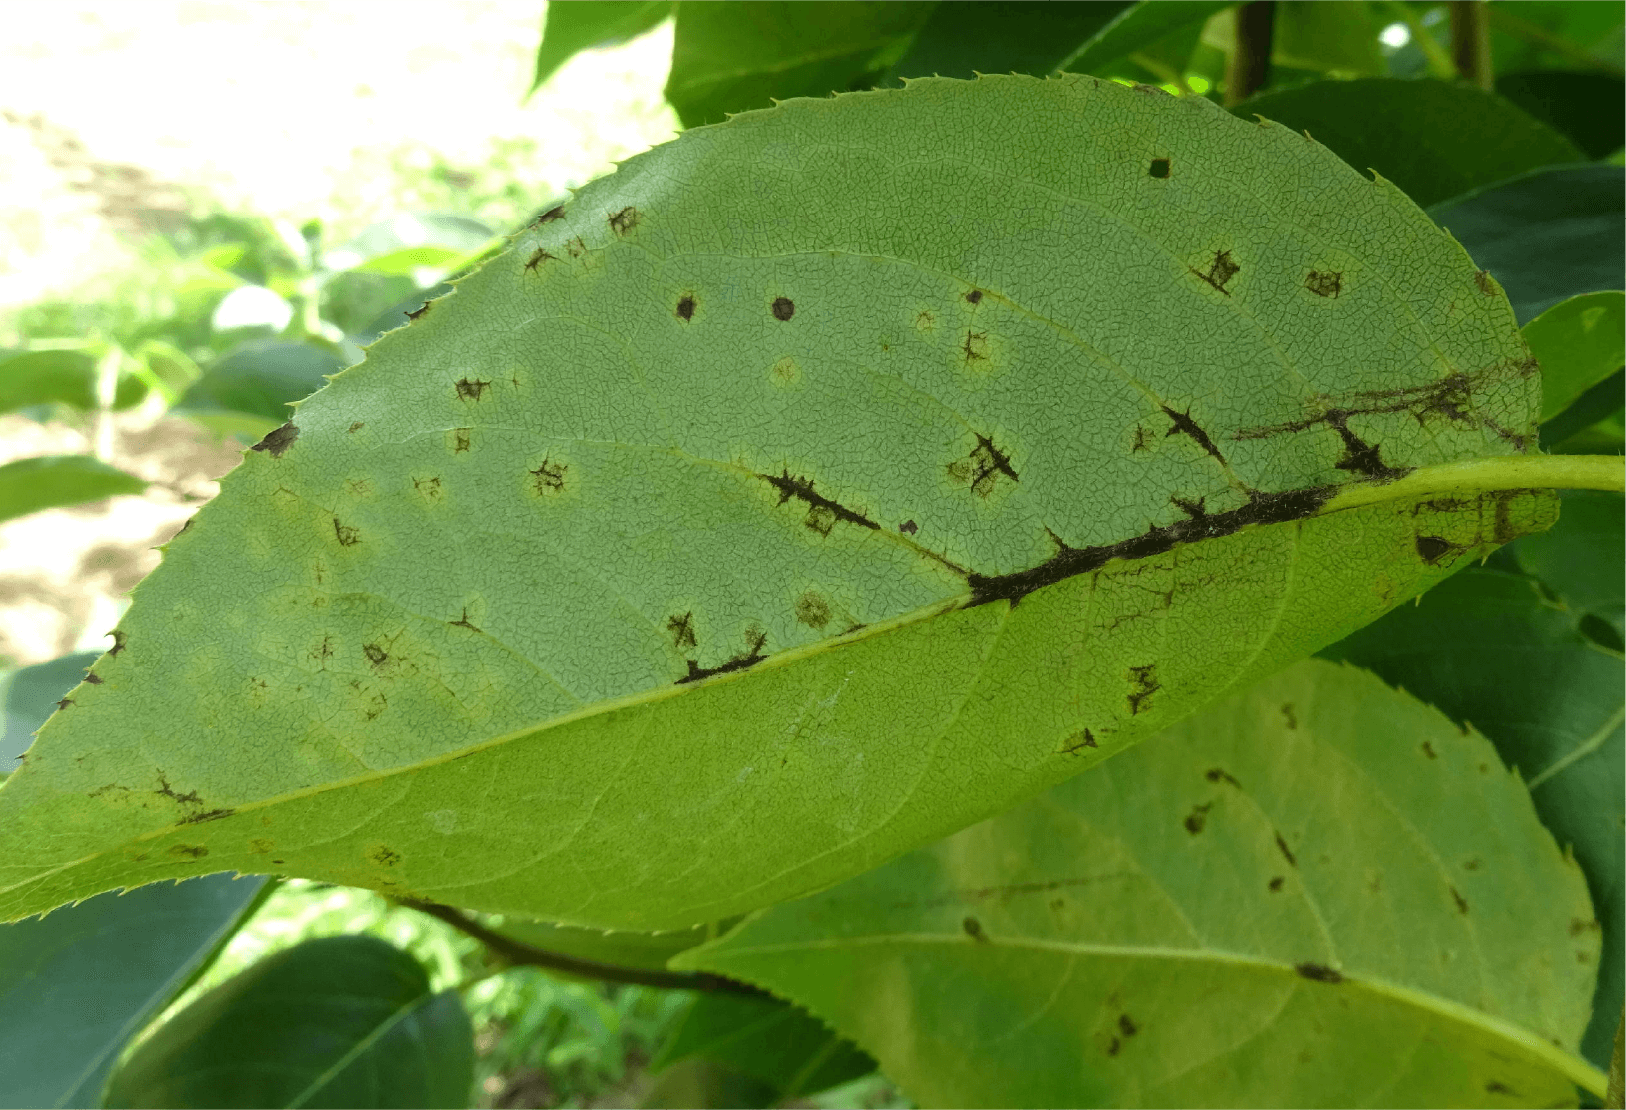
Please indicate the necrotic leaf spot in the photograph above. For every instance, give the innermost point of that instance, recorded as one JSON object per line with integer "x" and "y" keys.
{"x": 685, "y": 308}
{"x": 783, "y": 308}
{"x": 1160, "y": 167}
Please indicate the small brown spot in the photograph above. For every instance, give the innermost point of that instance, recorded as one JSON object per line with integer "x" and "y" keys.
{"x": 1159, "y": 168}
{"x": 260, "y": 846}
{"x": 1220, "y": 271}
{"x": 1078, "y": 741}
{"x": 64, "y": 703}
{"x": 975, "y": 347}
{"x": 1324, "y": 283}
{"x": 188, "y": 851}
{"x": 1496, "y": 1088}
{"x": 1287, "y": 715}
{"x": 812, "y": 610}
{"x": 1220, "y": 774}
{"x": 1276, "y": 884}
{"x": 277, "y": 440}
{"x": 1432, "y": 549}
{"x": 279, "y": 861}
{"x": 1473, "y": 865}
{"x": 413, "y": 314}
{"x": 375, "y": 654}
{"x": 557, "y": 212}
{"x": 682, "y": 630}
{"x": 1143, "y": 439}
{"x": 549, "y": 478}
{"x": 975, "y": 296}
{"x": 1197, "y": 818}
{"x": 1127, "y": 1026}
{"x": 468, "y": 390}
{"x": 908, "y": 528}
{"x": 1579, "y": 925}
{"x": 356, "y": 427}
{"x": 119, "y": 642}
{"x": 384, "y": 856}
{"x": 1145, "y": 685}
{"x": 1113, "y": 1046}
{"x": 924, "y": 320}
{"x": 576, "y": 247}
{"x": 538, "y": 257}
{"x": 1287, "y": 853}
{"x": 1428, "y": 750}
{"x": 1483, "y": 279}
{"x": 346, "y": 535}
{"x": 973, "y": 929}
{"x": 211, "y": 815}
{"x": 461, "y": 439}
{"x": 624, "y": 221}
{"x": 1462, "y": 903}
{"x": 1320, "y": 973}
{"x": 685, "y": 308}
{"x": 429, "y": 488}
{"x": 93, "y": 678}
{"x": 783, "y": 308}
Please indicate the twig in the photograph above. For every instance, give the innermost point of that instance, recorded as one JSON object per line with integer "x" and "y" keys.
{"x": 519, "y": 953}
{"x": 1248, "y": 67}
{"x": 1470, "y": 42}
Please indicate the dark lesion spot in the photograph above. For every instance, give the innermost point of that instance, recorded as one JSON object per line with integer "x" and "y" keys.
{"x": 538, "y": 256}
{"x": 1183, "y": 424}
{"x": 1433, "y": 549}
{"x": 64, "y": 703}
{"x": 93, "y": 678}
{"x": 1275, "y": 884}
{"x": 1482, "y": 278}
{"x": 119, "y": 642}
{"x": 208, "y": 815}
{"x": 974, "y": 297}
{"x": 375, "y": 654}
{"x": 1220, "y": 271}
{"x": 1324, "y": 283}
{"x": 812, "y": 610}
{"x": 1220, "y": 774}
{"x": 471, "y": 389}
{"x": 384, "y": 856}
{"x": 462, "y": 439}
{"x": 355, "y": 427}
{"x": 973, "y": 929}
{"x": 755, "y": 638}
{"x": 624, "y": 221}
{"x": 190, "y": 798}
{"x": 1288, "y": 716}
{"x": 1078, "y": 742}
{"x": 783, "y": 308}
{"x": 982, "y": 468}
{"x": 1143, "y": 439}
{"x": 1114, "y": 1046}
{"x": 277, "y": 440}
{"x": 822, "y": 513}
{"x": 413, "y": 314}
{"x": 1462, "y": 903}
{"x": 188, "y": 851}
{"x": 682, "y": 629}
{"x": 345, "y": 534}
{"x": 1287, "y": 853}
{"x": 549, "y": 478}
{"x": 975, "y": 346}
{"x": 1319, "y": 973}
{"x": 1143, "y": 684}
{"x": 1496, "y": 1088}
{"x": 463, "y": 621}
{"x": 1159, "y": 168}
{"x": 685, "y": 307}
{"x": 1197, "y": 818}
{"x": 1428, "y": 750}
{"x": 557, "y": 212}
{"x": 428, "y": 488}
{"x": 908, "y": 527}
{"x": 1127, "y": 1026}
{"x": 576, "y": 247}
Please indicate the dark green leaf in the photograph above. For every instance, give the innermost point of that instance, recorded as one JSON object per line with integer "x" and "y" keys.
{"x": 1486, "y": 648}
{"x": 337, "y": 1021}
{"x": 51, "y": 481}
{"x": 47, "y": 377}
{"x": 1432, "y": 139}
{"x": 776, "y": 1042}
{"x": 77, "y": 985}
{"x": 395, "y": 316}
{"x": 1579, "y": 342}
{"x": 733, "y": 57}
{"x": 965, "y": 37}
{"x": 260, "y": 379}
{"x": 648, "y": 951}
{"x": 31, "y": 696}
{"x": 1580, "y": 557}
{"x": 1545, "y": 235}
{"x": 1591, "y": 425}
{"x": 1552, "y": 34}
{"x": 1139, "y": 26}
{"x": 1588, "y": 107}
{"x": 1327, "y": 38}
{"x": 585, "y": 24}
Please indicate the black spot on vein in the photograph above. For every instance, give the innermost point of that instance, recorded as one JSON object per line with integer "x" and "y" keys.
{"x": 1220, "y": 271}
{"x": 1287, "y": 853}
{"x": 682, "y": 630}
{"x": 973, "y": 929}
{"x": 908, "y": 527}
{"x": 1263, "y": 508}
{"x": 471, "y": 390}
{"x": 1078, "y": 742}
{"x": 277, "y": 440}
{"x": 1320, "y": 973}
{"x": 822, "y": 513}
{"x": 754, "y": 639}
{"x": 210, "y": 815}
{"x": 1432, "y": 549}
{"x": 624, "y": 221}
{"x": 1185, "y": 425}
{"x": 974, "y": 297}
{"x": 1145, "y": 684}
{"x": 557, "y": 212}
{"x": 538, "y": 257}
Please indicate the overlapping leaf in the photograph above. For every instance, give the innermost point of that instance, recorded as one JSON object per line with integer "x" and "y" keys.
{"x": 816, "y": 485}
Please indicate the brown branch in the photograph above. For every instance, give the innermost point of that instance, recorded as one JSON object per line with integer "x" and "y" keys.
{"x": 519, "y": 953}
{"x": 1470, "y": 42}
{"x": 1248, "y": 67}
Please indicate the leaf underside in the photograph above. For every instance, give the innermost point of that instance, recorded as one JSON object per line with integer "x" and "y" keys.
{"x": 813, "y": 486}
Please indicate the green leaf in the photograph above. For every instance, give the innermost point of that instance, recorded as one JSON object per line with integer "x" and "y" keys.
{"x": 51, "y": 481}
{"x": 962, "y": 38}
{"x": 570, "y": 28}
{"x": 260, "y": 379}
{"x": 1138, "y": 27}
{"x": 31, "y": 694}
{"x": 1434, "y": 140}
{"x": 684, "y": 543}
{"x": 77, "y": 985}
{"x": 337, "y": 1021}
{"x": 1579, "y": 343}
{"x": 1545, "y": 236}
{"x": 729, "y": 58}
{"x": 1590, "y": 108}
{"x": 1580, "y": 559}
{"x": 47, "y": 377}
{"x": 1317, "y": 893}
{"x": 1591, "y": 425}
{"x": 647, "y": 951}
{"x": 1327, "y": 38}
{"x": 1487, "y": 649}
{"x": 388, "y": 247}
{"x": 404, "y": 261}
{"x": 791, "y": 1051}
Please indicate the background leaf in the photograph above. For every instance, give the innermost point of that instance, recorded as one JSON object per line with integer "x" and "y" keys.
{"x": 51, "y": 481}
{"x": 1545, "y": 236}
{"x": 1590, "y": 108}
{"x": 337, "y": 1021}
{"x": 31, "y": 694}
{"x": 570, "y": 28}
{"x": 1137, "y": 27}
{"x": 962, "y": 38}
{"x": 1319, "y": 870}
{"x": 259, "y": 380}
{"x": 1580, "y": 342}
{"x": 77, "y": 985}
{"x": 1434, "y": 140}
{"x": 47, "y": 377}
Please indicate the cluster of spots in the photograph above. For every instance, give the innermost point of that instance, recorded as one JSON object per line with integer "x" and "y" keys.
{"x": 383, "y": 855}
{"x": 822, "y": 513}
{"x": 1219, "y": 272}
{"x": 1324, "y": 283}
{"x": 1197, "y": 818}
{"x": 623, "y": 221}
{"x": 812, "y": 610}
{"x": 1126, "y": 1029}
{"x": 277, "y": 440}
{"x": 1159, "y": 168}
{"x": 1143, "y": 684}
{"x": 681, "y": 626}
{"x": 428, "y": 488}
{"x": 982, "y": 468}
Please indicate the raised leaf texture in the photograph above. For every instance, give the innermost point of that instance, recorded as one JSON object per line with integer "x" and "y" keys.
{"x": 1318, "y": 893}
{"x": 817, "y": 484}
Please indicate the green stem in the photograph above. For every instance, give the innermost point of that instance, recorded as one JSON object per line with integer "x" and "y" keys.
{"x": 1470, "y": 42}
{"x": 1605, "y": 472}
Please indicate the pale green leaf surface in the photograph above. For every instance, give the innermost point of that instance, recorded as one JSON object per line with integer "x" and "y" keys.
{"x": 1317, "y": 893}
{"x": 1579, "y": 343}
{"x": 52, "y": 481}
{"x": 436, "y": 638}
